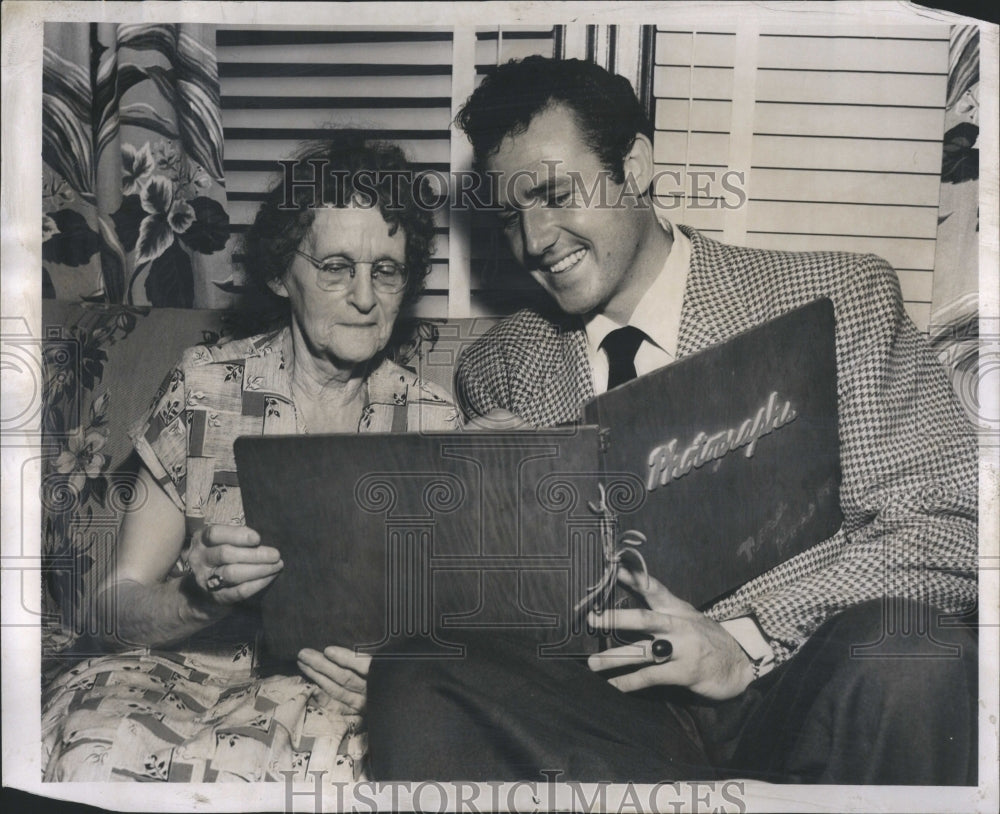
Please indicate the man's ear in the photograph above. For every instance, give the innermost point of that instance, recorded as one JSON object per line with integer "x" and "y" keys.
{"x": 277, "y": 285}
{"x": 638, "y": 163}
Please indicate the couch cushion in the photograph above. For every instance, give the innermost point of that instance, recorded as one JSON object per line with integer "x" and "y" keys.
{"x": 102, "y": 364}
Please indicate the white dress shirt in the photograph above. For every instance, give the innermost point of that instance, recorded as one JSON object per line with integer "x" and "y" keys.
{"x": 658, "y": 315}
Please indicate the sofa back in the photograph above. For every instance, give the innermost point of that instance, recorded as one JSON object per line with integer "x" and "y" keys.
{"x": 103, "y": 364}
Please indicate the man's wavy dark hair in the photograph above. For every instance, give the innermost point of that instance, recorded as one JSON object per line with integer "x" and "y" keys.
{"x": 353, "y": 168}
{"x": 605, "y": 105}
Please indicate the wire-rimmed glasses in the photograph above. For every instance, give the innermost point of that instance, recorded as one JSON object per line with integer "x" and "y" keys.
{"x": 336, "y": 273}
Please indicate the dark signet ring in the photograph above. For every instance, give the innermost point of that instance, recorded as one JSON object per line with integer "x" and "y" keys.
{"x": 661, "y": 650}
{"x": 214, "y": 582}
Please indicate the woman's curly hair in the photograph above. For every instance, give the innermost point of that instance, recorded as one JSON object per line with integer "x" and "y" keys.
{"x": 346, "y": 169}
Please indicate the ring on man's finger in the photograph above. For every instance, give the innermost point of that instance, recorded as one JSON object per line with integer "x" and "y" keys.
{"x": 215, "y": 581}
{"x": 660, "y": 651}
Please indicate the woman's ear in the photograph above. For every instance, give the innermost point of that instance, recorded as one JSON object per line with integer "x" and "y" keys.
{"x": 277, "y": 285}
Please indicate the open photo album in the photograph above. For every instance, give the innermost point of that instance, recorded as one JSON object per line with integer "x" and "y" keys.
{"x": 707, "y": 473}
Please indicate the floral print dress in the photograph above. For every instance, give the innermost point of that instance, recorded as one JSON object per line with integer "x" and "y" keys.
{"x": 202, "y": 712}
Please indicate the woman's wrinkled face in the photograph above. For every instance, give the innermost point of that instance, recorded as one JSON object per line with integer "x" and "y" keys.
{"x": 346, "y": 327}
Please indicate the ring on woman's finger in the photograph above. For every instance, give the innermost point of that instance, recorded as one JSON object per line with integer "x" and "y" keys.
{"x": 215, "y": 581}
{"x": 660, "y": 651}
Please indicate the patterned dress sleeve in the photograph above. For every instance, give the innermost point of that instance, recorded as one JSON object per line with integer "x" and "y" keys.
{"x": 435, "y": 409}
{"x": 161, "y": 438}
{"x": 909, "y": 493}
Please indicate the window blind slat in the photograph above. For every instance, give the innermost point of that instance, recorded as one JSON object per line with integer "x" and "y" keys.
{"x": 393, "y": 119}
{"x": 437, "y": 52}
{"x": 438, "y": 277}
{"x": 242, "y": 213}
{"x": 514, "y": 32}
{"x": 848, "y": 154}
{"x": 700, "y": 213}
{"x": 828, "y": 87}
{"x": 706, "y": 148}
{"x": 843, "y": 120}
{"x": 237, "y": 104}
{"x": 700, "y": 83}
{"x": 310, "y": 70}
{"x": 229, "y": 36}
{"x": 430, "y": 306}
{"x": 819, "y": 185}
{"x": 900, "y": 252}
{"x": 679, "y": 114}
{"x": 678, "y": 170}
{"x": 423, "y": 150}
{"x": 363, "y": 87}
{"x": 674, "y": 180}
{"x": 251, "y": 185}
{"x": 858, "y": 54}
{"x": 487, "y": 50}
{"x": 880, "y": 32}
{"x": 706, "y": 29}
{"x": 694, "y": 49}
{"x": 854, "y": 219}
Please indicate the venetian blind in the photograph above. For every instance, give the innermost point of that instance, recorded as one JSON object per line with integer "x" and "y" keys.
{"x": 838, "y": 133}
{"x": 499, "y": 284}
{"x": 282, "y": 86}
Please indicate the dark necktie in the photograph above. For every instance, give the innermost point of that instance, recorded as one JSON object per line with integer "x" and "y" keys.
{"x": 621, "y": 345}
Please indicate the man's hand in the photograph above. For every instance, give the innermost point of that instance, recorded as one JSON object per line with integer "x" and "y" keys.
{"x": 341, "y": 675}
{"x": 705, "y": 659}
{"x": 230, "y": 564}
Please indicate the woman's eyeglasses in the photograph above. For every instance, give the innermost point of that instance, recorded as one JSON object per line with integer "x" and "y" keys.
{"x": 336, "y": 273}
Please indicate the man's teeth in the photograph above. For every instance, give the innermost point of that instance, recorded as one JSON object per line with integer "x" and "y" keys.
{"x": 568, "y": 262}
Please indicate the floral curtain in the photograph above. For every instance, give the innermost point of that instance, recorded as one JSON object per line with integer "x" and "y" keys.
{"x": 954, "y": 320}
{"x": 134, "y": 214}
{"x": 134, "y": 202}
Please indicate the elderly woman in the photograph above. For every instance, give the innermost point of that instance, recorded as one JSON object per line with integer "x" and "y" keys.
{"x": 182, "y": 699}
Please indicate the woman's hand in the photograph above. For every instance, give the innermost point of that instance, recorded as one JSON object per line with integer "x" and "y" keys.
{"x": 230, "y": 564}
{"x": 705, "y": 658}
{"x": 341, "y": 675}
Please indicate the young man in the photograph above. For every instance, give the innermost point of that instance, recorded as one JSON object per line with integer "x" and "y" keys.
{"x": 801, "y": 675}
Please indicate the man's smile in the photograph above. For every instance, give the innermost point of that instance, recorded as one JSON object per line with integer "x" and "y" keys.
{"x": 568, "y": 262}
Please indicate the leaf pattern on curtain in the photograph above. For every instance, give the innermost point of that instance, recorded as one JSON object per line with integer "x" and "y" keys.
{"x": 954, "y": 319}
{"x": 134, "y": 203}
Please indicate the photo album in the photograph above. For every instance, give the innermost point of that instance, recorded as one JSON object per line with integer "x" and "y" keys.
{"x": 705, "y": 473}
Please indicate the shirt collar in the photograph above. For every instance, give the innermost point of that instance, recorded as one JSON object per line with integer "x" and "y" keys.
{"x": 658, "y": 313}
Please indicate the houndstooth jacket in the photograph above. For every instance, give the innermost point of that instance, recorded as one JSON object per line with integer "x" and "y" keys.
{"x": 908, "y": 454}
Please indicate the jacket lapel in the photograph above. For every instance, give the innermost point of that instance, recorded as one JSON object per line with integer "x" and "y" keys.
{"x": 713, "y": 309}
